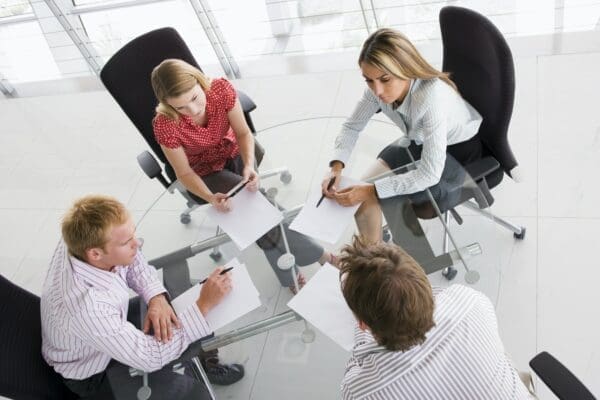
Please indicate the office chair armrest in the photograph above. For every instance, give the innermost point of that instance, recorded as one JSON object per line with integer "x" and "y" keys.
{"x": 558, "y": 378}
{"x": 151, "y": 167}
{"x": 481, "y": 168}
{"x": 247, "y": 104}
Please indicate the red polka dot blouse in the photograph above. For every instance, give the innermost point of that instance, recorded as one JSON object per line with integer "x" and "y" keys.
{"x": 207, "y": 147}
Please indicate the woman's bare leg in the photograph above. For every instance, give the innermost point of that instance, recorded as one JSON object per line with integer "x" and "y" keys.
{"x": 368, "y": 217}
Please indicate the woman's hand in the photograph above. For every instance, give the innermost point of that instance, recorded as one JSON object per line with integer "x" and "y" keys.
{"x": 327, "y": 190}
{"x": 220, "y": 201}
{"x": 250, "y": 176}
{"x": 356, "y": 194}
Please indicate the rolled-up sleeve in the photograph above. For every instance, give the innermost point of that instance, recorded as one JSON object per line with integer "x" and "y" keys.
{"x": 143, "y": 279}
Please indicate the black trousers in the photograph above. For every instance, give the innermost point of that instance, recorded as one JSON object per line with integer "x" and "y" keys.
{"x": 401, "y": 212}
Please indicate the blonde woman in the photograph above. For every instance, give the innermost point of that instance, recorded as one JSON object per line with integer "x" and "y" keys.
{"x": 427, "y": 108}
{"x": 200, "y": 127}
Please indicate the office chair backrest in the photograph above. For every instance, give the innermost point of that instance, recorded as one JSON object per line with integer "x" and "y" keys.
{"x": 23, "y": 372}
{"x": 127, "y": 77}
{"x": 480, "y": 63}
{"x": 558, "y": 378}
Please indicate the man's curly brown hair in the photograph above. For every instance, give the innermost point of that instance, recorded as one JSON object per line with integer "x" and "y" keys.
{"x": 388, "y": 291}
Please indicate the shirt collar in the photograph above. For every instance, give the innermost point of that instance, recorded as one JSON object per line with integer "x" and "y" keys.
{"x": 94, "y": 276}
{"x": 403, "y": 107}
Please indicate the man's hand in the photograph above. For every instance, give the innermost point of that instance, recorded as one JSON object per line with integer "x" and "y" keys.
{"x": 220, "y": 202}
{"x": 250, "y": 176}
{"x": 215, "y": 288}
{"x": 353, "y": 195}
{"x": 162, "y": 317}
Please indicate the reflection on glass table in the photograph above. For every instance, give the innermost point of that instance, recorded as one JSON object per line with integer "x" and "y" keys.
{"x": 450, "y": 241}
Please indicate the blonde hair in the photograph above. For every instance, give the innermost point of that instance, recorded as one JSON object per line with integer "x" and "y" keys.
{"x": 85, "y": 226}
{"x": 172, "y": 78}
{"x": 392, "y": 52}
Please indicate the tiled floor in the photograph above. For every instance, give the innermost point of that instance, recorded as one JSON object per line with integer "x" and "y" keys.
{"x": 56, "y": 148}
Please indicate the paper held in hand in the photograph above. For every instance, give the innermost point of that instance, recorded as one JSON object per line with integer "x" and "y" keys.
{"x": 250, "y": 217}
{"x": 242, "y": 299}
{"x": 321, "y": 303}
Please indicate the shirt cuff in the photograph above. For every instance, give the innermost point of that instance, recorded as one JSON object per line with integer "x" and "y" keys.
{"x": 194, "y": 324}
{"x": 388, "y": 187}
{"x": 153, "y": 289}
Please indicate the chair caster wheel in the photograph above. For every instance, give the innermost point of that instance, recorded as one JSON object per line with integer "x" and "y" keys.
{"x": 216, "y": 255}
{"x": 386, "y": 236}
{"x": 185, "y": 219}
{"x": 285, "y": 177}
{"x": 449, "y": 273}
{"x": 520, "y": 236}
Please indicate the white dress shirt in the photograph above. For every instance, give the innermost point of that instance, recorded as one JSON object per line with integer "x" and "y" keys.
{"x": 84, "y": 318}
{"x": 432, "y": 114}
{"x": 462, "y": 358}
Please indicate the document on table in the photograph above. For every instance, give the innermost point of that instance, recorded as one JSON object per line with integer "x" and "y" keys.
{"x": 328, "y": 221}
{"x": 250, "y": 217}
{"x": 321, "y": 303}
{"x": 242, "y": 298}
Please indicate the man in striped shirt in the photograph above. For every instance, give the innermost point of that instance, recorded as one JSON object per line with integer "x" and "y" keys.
{"x": 85, "y": 301}
{"x": 413, "y": 342}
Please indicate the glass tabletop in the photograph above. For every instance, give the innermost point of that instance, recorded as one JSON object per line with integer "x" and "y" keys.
{"x": 440, "y": 227}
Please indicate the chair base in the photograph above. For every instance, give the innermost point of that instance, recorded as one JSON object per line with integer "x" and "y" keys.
{"x": 518, "y": 231}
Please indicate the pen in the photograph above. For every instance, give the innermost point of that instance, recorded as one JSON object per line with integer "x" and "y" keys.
{"x": 226, "y": 270}
{"x": 236, "y": 191}
{"x": 329, "y": 185}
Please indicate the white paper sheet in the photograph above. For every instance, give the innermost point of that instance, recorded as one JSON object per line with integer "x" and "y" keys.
{"x": 242, "y": 299}
{"x": 328, "y": 221}
{"x": 321, "y": 303}
{"x": 251, "y": 216}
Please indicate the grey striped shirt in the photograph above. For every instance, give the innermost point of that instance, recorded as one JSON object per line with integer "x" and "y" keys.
{"x": 432, "y": 114}
{"x": 84, "y": 318}
{"x": 462, "y": 358}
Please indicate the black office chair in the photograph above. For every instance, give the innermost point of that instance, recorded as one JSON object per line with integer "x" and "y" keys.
{"x": 127, "y": 77}
{"x": 23, "y": 372}
{"x": 481, "y": 65}
{"x": 558, "y": 378}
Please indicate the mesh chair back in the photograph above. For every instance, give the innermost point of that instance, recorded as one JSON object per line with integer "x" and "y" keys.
{"x": 127, "y": 77}
{"x": 480, "y": 63}
{"x": 23, "y": 372}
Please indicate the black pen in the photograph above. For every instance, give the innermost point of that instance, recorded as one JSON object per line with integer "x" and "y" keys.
{"x": 329, "y": 185}
{"x": 236, "y": 191}
{"x": 226, "y": 270}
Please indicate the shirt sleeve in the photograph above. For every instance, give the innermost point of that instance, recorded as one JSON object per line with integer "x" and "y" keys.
{"x": 103, "y": 328}
{"x": 225, "y": 92}
{"x": 165, "y": 131}
{"x": 346, "y": 140}
{"x": 429, "y": 167}
{"x": 143, "y": 279}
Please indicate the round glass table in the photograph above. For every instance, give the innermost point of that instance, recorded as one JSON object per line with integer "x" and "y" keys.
{"x": 447, "y": 229}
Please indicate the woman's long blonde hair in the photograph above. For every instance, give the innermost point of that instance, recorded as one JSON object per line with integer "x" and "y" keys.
{"x": 390, "y": 51}
{"x": 172, "y": 78}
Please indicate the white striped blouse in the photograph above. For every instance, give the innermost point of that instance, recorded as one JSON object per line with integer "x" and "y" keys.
{"x": 462, "y": 358}
{"x": 84, "y": 318}
{"x": 432, "y": 114}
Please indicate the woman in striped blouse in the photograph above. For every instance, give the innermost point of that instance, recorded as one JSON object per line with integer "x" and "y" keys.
{"x": 425, "y": 104}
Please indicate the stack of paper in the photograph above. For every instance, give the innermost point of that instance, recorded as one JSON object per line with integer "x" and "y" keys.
{"x": 250, "y": 217}
{"x": 321, "y": 303}
{"x": 242, "y": 299}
